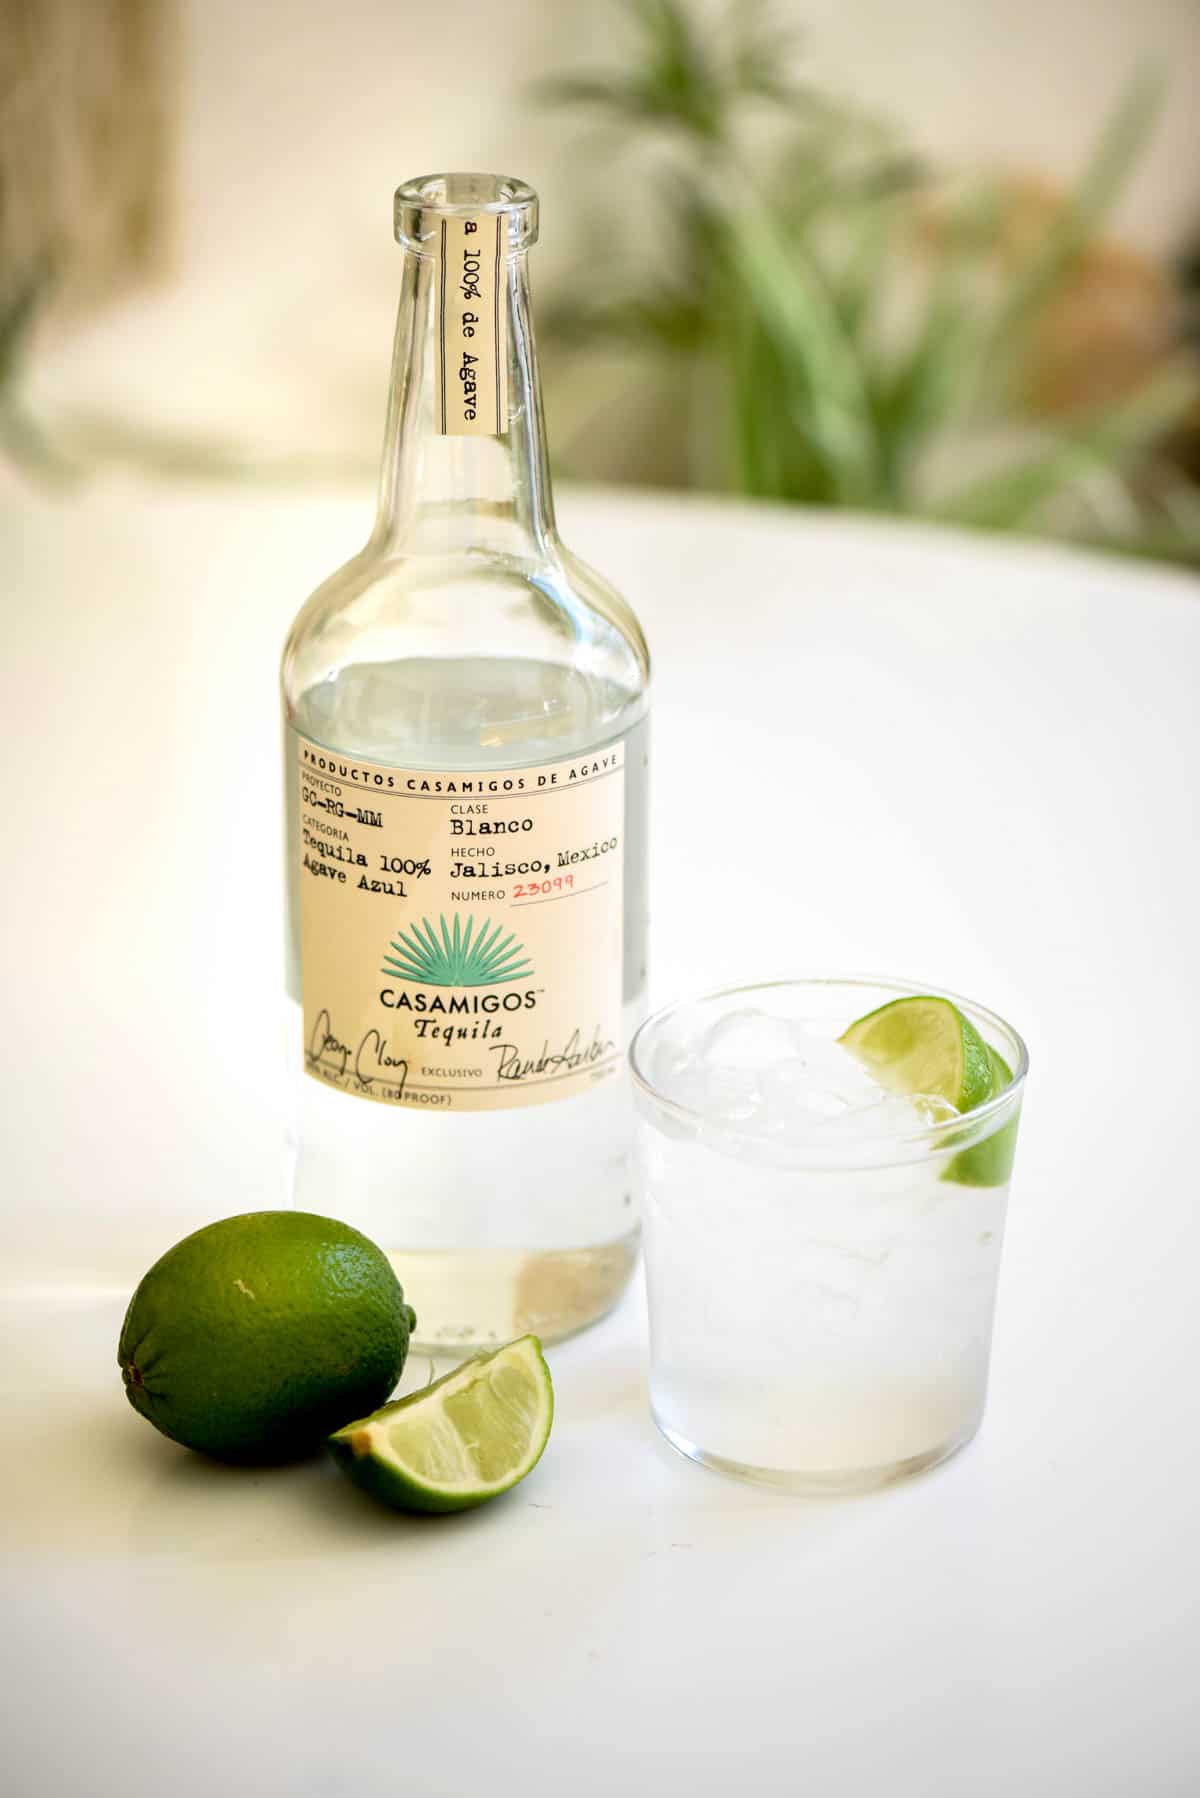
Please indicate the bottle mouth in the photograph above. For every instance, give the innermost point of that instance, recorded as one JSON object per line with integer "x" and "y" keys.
{"x": 422, "y": 202}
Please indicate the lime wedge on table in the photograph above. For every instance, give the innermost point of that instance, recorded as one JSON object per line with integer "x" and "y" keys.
{"x": 926, "y": 1045}
{"x": 469, "y": 1436}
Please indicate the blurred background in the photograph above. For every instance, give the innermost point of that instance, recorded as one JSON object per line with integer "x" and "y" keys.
{"x": 939, "y": 259}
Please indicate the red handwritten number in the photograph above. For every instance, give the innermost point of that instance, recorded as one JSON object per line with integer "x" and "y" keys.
{"x": 560, "y": 884}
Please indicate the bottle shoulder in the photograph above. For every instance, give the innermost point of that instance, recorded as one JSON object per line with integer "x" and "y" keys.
{"x": 484, "y": 657}
{"x": 382, "y": 605}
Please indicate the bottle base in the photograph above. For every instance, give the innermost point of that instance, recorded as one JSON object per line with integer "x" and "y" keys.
{"x": 468, "y": 1300}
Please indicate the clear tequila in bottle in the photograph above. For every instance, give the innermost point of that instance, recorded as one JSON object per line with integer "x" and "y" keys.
{"x": 465, "y": 710}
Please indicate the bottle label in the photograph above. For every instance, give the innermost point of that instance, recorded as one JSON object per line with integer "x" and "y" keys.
{"x": 472, "y": 327}
{"x": 460, "y": 933}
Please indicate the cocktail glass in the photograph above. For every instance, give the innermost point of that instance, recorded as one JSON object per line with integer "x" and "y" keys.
{"x": 821, "y": 1257}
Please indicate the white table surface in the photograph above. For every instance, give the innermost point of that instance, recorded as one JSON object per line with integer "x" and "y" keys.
{"x": 876, "y": 748}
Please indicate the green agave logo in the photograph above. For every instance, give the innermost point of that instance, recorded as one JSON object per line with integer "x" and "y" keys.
{"x": 456, "y": 954}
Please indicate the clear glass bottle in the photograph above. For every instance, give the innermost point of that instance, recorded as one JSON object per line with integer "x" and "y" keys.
{"x": 465, "y": 711}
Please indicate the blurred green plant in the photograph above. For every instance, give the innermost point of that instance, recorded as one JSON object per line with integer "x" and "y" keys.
{"x": 859, "y": 333}
{"x": 22, "y": 438}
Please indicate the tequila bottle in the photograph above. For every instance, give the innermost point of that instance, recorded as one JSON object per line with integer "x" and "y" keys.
{"x": 465, "y": 712}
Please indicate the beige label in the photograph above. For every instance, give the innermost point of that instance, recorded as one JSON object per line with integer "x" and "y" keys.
{"x": 472, "y": 328}
{"x": 460, "y": 934}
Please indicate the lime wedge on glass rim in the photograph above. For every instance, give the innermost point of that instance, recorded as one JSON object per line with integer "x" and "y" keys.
{"x": 924, "y": 1044}
{"x": 466, "y": 1438}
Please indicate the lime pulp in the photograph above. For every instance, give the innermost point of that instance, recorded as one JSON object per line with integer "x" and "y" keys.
{"x": 925, "y": 1045}
{"x": 470, "y": 1436}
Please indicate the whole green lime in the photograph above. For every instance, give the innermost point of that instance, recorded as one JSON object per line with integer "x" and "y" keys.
{"x": 258, "y": 1336}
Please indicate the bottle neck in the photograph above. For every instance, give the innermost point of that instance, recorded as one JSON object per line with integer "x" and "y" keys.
{"x": 445, "y": 494}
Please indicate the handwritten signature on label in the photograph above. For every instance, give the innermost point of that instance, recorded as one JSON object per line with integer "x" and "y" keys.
{"x": 367, "y": 1063}
{"x": 570, "y": 1059}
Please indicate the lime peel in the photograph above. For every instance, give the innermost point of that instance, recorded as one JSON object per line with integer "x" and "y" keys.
{"x": 253, "y": 1337}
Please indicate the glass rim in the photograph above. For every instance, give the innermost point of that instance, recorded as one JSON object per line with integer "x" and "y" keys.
{"x": 419, "y": 202}
{"x": 926, "y": 1136}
